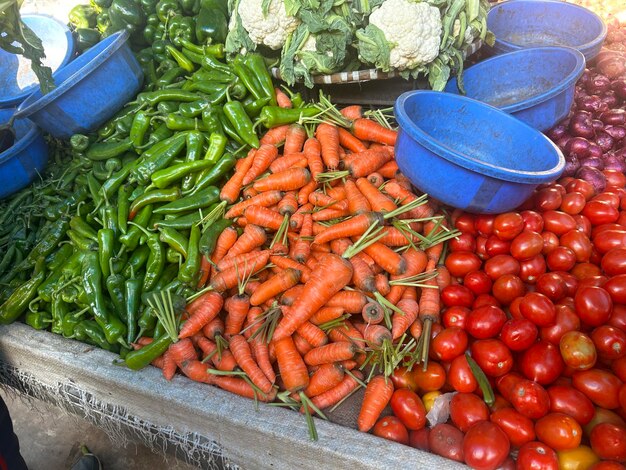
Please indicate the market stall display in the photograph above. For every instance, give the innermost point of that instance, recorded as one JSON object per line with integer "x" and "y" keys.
{"x": 232, "y": 234}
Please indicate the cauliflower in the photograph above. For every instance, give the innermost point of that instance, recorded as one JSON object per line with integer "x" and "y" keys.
{"x": 412, "y": 31}
{"x": 270, "y": 30}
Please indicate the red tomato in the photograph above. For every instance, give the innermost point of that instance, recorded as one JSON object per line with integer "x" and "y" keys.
{"x": 531, "y": 269}
{"x": 593, "y": 305}
{"x": 493, "y": 357}
{"x": 568, "y": 400}
{"x": 548, "y": 199}
{"x": 447, "y": 441}
{"x": 430, "y": 379}
{"x": 526, "y": 245}
{"x": 484, "y": 224}
{"x": 530, "y": 399}
{"x": 532, "y": 221}
{"x": 514, "y": 308}
{"x": 599, "y": 212}
{"x": 518, "y": 334}
{"x": 467, "y": 409}
{"x": 460, "y": 376}
{"x": 485, "y": 322}
{"x": 609, "y": 441}
{"x": 603, "y": 415}
{"x": 537, "y": 456}
{"x": 572, "y": 203}
{"x": 485, "y": 446}
{"x": 539, "y": 309}
{"x": 614, "y": 262}
{"x": 619, "y": 368}
{"x": 614, "y": 178}
{"x": 616, "y": 287}
{"x": 478, "y": 282}
{"x": 561, "y": 259}
{"x": 622, "y": 396}
{"x": 558, "y": 222}
{"x": 500, "y": 265}
{"x": 455, "y": 316}
{"x": 391, "y": 428}
{"x": 579, "y": 243}
{"x": 402, "y": 378}
{"x": 608, "y": 239}
{"x": 463, "y": 242}
{"x": 495, "y": 246}
{"x": 559, "y": 431}
{"x": 550, "y": 242}
{"x": 583, "y": 224}
{"x": 459, "y": 263}
{"x": 518, "y": 428}
{"x": 610, "y": 342}
{"x": 508, "y": 225}
{"x": 448, "y": 344}
{"x": 506, "y": 383}
{"x": 593, "y": 281}
{"x": 552, "y": 286}
{"x": 600, "y": 386}
{"x": 566, "y": 320}
{"x": 507, "y": 288}
{"x": 408, "y": 407}
{"x": 612, "y": 199}
{"x": 419, "y": 439}
{"x": 541, "y": 362}
{"x": 618, "y": 317}
{"x": 571, "y": 283}
{"x": 457, "y": 295}
{"x": 485, "y": 299}
{"x": 578, "y": 350}
{"x": 581, "y": 186}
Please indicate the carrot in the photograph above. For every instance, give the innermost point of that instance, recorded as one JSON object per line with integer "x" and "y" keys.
{"x": 288, "y": 161}
{"x": 357, "y": 203}
{"x": 326, "y": 314}
{"x": 197, "y": 371}
{"x": 263, "y": 217}
{"x": 377, "y": 396}
{"x": 331, "y": 274}
{"x": 389, "y": 170}
{"x": 302, "y": 345}
{"x": 312, "y": 334}
{"x": 430, "y": 303}
{"x": 209, "y": 349}
{"x": 183, "y": 351}
{"x": 354, "y": 226}
{"x": 382, "y": 284}
{"x": 203, "y": 309}
{"x": 386, "y": 258}
{"x": 328, "y": 137}
{"x": 319, "y": 199}
{"x": 205, "y": 271}
{"x": 395, "y": 190}
{"x": 243, "y": 355}
{"x": 240, "y": 260}
{"x": 252, "y": 237}
{"x": 349, "y": 364}
{"x": 378, "y": 201}
{"x": 337, "y": 192}
{"x": 214, "y": 328}
{"x": 265, "y": 199}
{"x": 275, "y": 136}
{"x": 237, "y": 308}
{"x": 362, "y": 275}
{"x": 416, "y": 329}
{"x": 376, "y": 179}
{"x": 415, "y": 264}
{"x": 275, "y": 285}
{"x": 263, "y": 157}
{"x": 284, "y": 263}
{"x": 290, "y": 295}
{"x": 224, "y": 243}
{"x": 294, "y": 140}
{"x": 339, "y": 392}
{"x": 313, "y": 153}
{"x": 329, "y": 353}
{"x": 288, "y": 204}
{"x": 351, "y": 301}
{"x": 349, "y": 142}
{"x": 230, "y": 191}
{"x": 410, "y": 293}
{"x": 229, "y": 278}
{"x": 240, "y": 387}
{"x": 401, "y": 323}
{"x": 347, "y": 332}
{"x": 302, "y": 247}
{"x": 331, "y": 213}
{"x": 293, "y": 178}
{"x": 261, "y": 354}
{"x": 292, "y": 368}
{"x": 352, "y": 112}
{"x": 325, "y": 377}
{"x": 169, "y": 365}
{"x": 373, "y": 313}
{"x": 368, "y": 161}
{"x": 395, "y": 237}
{"x": 443, "y": 277}
{"x": 282, "y": 98}
{"x": 366, "y": 129}
{"x": 374, "y": 334}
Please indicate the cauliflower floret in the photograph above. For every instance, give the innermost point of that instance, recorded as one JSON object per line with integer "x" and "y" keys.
{"x": 414, "y": 30}
{"x": 271, "y": 30}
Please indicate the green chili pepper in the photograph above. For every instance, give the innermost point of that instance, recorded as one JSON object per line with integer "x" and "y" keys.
{"x": 54, "y": 236}
{"x": 182, "y": 222}
{"x": 79, "y": 142}
{"x": 119, "y": 262}
{"x": 72, "y": 268}
{"x": 115, "y": 287}
{"x": 81, "y": 242}
{"x": 229, "y": 129}
{"x": 161, "y": 133}
{"x": 190, "y": 55}
{"x": 253, "y": 107}
{"x": 131, "y": 239}
{"x": 57, "y": 258}
{"x": 157, "y": 157}
{"x": 167, "y": 107}
{"x": 193, "y": 109}
{"x": 105, "y": 150}
{"x": 274, "y": 116}
{"x": 152, "y": 197}
{"x": 198, "y": 200}
{"x": 168, "y": 77}
{"x": 247, "y": 78}
{"x": 18, "y": 301}
{"x": 136, "y": 261}
{"x": 140, "y": 358}
{"x": 57, "y": 210}
{"x": 7, "y": 258}
{"x": 132, "y": 294}
{"x": 138, "y": 129}
{"x": 195, "y": 143}
{"x": 182, "y": 61}
{"x": 154, "y": 97}
{"x": 106, "y": 243}
{"x": 123, "y": 205}
{"x": 50, "y": 285}
{"x": 256, "y": 64}
{"x": 211, "y": 63}
{"x": 482, "y": 380}
{"x": 109, "y": 219}
{"x": 70, "y": 321}
{"x": 177, "y": 122}
{"x": 173, "y": 256}
{"x": 123, "y": 124}
{"x": 174, "y": 239}
{"x": 211, "y": 119}
{"x": 164, "y": 178}
{"x": 156, "y": 260}
{"x": 82, "y": 228}
{"x": 110, "y": 186}
{"x": 190, "y": 267}
{"x": 215, "y": 151}
{"x": 38, "y": 320}
{"x": 92, "y": 330}
{"x": 213, "y": 76}
{"x": 210, "y": 235}
{"x": 215, "y": 174}
{"x": 59, "y": 310}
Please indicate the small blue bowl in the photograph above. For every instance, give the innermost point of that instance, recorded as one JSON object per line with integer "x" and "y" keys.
{"x": 20, "y": 164}
{"x": 470, "y": 155}
{"x": 17, "y": 79}
{"x": 90, "y": 89}
{"x": 534, "y": 85}
{"x": 519, "y": 24}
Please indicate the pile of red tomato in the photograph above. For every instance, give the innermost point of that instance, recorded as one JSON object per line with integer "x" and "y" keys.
{"x": 538, "y": 299}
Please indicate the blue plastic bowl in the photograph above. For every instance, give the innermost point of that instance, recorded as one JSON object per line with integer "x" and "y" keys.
{"x": 90, "y": 89}
{"x": 17, "y": 79}
{"x": 471, "y": 155}
{"x": 520, "y": 24}
{"x": 534, "y": 85}
{"x": 20, "y": 164}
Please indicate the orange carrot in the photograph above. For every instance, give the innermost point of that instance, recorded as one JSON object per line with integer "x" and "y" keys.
{"x": 303, "y": 193}
{"x": 203, "y": 309}
{"x": 326, "y": 314}
{"x": 357, "y": 203}
{"x": 290, "y": 295}
{"x": 351, "y": 301}
{"x": 261, "y": 354}
{"x": 395, "y": 190}
{"x": 243, "y": 355}
{"x": 352, "y": 112}
{"x": 237, "y": 308}
{"x": 415, "y": 264}
{"x": 376, "y": 179}
{"x": 239, "y": 260}
{"x": 374, "y": 334}
{"x": 416, "y": 329}
{"x": 366, "y": 129}
{"x": 183, "y": 351}
{"x": 226, "y": 362}
{"x": 288, "y": 161}
{"x": 229, "y": 278}
{"x": 377, "y": 396}
{"x": 224, "y": 243}
{"x": 275, "y": 285}
{"x": 294, "y": 140}
{"x": 230, "y": 191}
{"x": 331, "y": 274}
{"x": 339, "y": 392}
{"x": 331, "y": 213}
{"x": 320, "y": 199}
{"x": 362, "y": 276}
{"x": 354, "y": 226}
{"x": 205, "y": 271}
{"x": 325, "y": 377}
{"x": 401, "y": 323}
{"x": 169, "y": 365}
{"x": 382, "y": 284}
{"x": 288, "y": 204}
{"x": 368, "y": 161}
{"x": 313, "y": 153}
{"x": 214, "y": 328}
{"x": 197, "y": 371}
{"x": 377, "y": 200}
{"x": 386, "y": 258}
{"x": 282, "y": 98}
{"x": 430, "y": 303}
{"x": 240, "y": 387}
{"x": 347, "y": 332}
{"x": 265, "y": 199}
{"x": 312, "y": 334}
{"x": 373, "y": 313}
{"x": 329, "y": 353}
{"x": 302, "y": 345}
{"x": 293, "y": 178}
{"x": 302, "y": 247}
{"x": 328, "y": 137}
{"x": 389, "y": 169}
{"x": 349, "y": 364}
{"x": 252, "y": 237}
{"x": 349, "y": 142}
{"x": 275, "y": 136}
{"x": 292, "y": 368}
{"x": 263, "y": 158}
{"x": 263, "y": 217}
{"x": 395, "y": 237}
{"x": 410, "y": 293}
{"x": 284, "y": 263}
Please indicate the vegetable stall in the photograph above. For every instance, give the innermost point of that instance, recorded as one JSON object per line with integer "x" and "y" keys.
{"x": 228, "y": 231}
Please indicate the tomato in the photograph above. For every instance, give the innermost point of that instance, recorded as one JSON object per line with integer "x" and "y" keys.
{"x": 537, "y": 456}
{"x": 583, "y": 187}
{"x": 593, "y": 281}
{"x": 593, "y": 305}
{"x": 485, "y": 299}
{"x": 466, "y": 223}
{"x": 610, "y": 198}
{"x": 599, "y": 212}
{"x": 493, "y": 357}
{"x": 518, "y": 428}
{"x": 561, "y": 259}
{"x": 538, "y": 308}
{"x": 583, "y": 224}
{"x": 547, "y": 199}
{"x": 603, "y": 415}
{"x": 481, "y": 247}
{"x": 531, "y": 269}
{"x": 601, "y": 228}
{"x": 530, "y": 399}
{"x": 616, "y": 287}
{"x": 485, "y": 322}
{"x": 558, "y": 222}
{"x": 618, "y": 317}
{"x": 622, "y": 396}
{"x": 550, "y": 242}
{"x": 459, "y": 263}
{"x": 551, "y": 285}
{"x": 448, "y": 344}
{"x": 460, "y": 376}
{"x": 581, "y": 458}
{"x": 495, "y": 246}
{"x": 600, "y": 386}
{"x": 532, "y": 221}
{"x": 607, "y": 465}
{"x": 485, "y": 446}
{"x": 402, "y": 378}
{"x": 391, "y": 428}
{"x": 514, "y": 308}
{"x": 419, "y": 439}
{"x": 478, "y": 282}
{"x": 506, "y": 383}
{"x": 467, "y": 409}
{"x": 484, "y": 224}
{"x": 572, "y": 203}
{"x": 500, "y": 265}
{"x": 408, "y": 408}
{"x": 566, "y": 320}
{"x": 462, "y": 242}
{"x": 559, "y": 431}
{"x": 614, "y": 261}
{"x": 578, "y": 350}
{"x": 455, "y": 316}
{"x": 568, "y": 400}
{"x": 608, "y": 239}
{"x": 507, "y": 288}
{"x": 508, "y": 225}
{"x": 610, "y": 342}
{"x": 619, "y": 368}
{"x": 431, "y": 379}
{"x": 518, "y": 334}
{"x": 447, "y": 441}
{"x": 614, "y": 179}
{"x": 579, "y": 243}
{"x": 457, "y": 295}
{"x": 609, "y": 441}
{"x": 541, "y": 362}
{"x": 526, "y": 245}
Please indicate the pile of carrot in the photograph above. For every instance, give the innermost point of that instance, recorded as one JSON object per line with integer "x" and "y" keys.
{"x": 327, "y": 260}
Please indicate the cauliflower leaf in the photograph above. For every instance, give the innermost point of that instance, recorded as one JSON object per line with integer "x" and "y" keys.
{"x": 373, "y": 47}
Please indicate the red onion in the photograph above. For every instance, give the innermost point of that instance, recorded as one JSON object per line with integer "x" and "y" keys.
{"x": 619, "y": 87}
{"x": 593, "y": 176}
{"x": 611, "y": 162}
{"x": 614, "y": 117}
{"x": 605, "y": 141}
{"x": 609, "y": 99}
{"x": 577, "y": 147}
{"x": 598, "y": 84}
{"x": 557, "y": 132}
{"x": 617, "y": 132}
{"x": 582, "y": 127}
{"x": 572, "y": 165}
{"x": 591, "y": 103}
{"x": 586, "y": 76}
{"x": 594, "y": 151}
{"x": 562, "y": 142}
{"x": 593, "y": 162}
{"x": 597, "y": 124}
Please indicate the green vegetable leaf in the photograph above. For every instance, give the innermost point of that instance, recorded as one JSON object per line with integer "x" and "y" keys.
{"x": 293, "y": 44}
{"x": 373, "y": 47}
{"x": 237, "y": 40}
{"x": 438, "y": 74}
